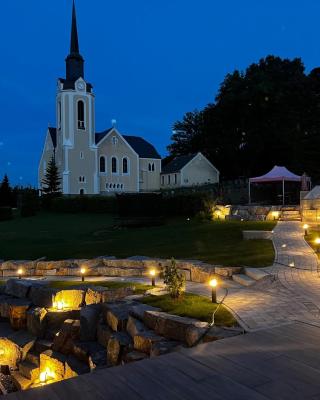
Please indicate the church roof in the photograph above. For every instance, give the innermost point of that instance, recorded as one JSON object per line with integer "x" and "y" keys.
{"x": 143, "y": 148}
{"x": 53, "y": 134}
{"x": 177, "y": 164}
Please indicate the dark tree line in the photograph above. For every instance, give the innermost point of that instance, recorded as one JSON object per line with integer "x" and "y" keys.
{"x": 267, "y": 115}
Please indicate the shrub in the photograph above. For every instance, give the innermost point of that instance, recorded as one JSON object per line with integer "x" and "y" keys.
{"x": 5, "y": 213}
{"x": 29, "y": 204}
{"x": 174, "y": 280}
{"x": 187, "y": 205}
{"x": 82, "y": 204}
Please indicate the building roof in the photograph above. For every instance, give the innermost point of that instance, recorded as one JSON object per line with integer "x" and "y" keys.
{"x": 177, "y": 164}
{"x": 53, "y": 134}
{"x": 143, "y": 148}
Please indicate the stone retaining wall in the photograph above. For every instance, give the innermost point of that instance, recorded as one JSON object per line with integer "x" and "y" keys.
{"x": 194, "y": 271}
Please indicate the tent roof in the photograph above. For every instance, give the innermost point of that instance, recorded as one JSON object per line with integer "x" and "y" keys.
{"x": 313, "y": 194}
{"x": 277, "y": 174}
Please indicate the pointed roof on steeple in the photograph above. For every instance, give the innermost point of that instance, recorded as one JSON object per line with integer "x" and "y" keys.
{"x": 74, "y": 44}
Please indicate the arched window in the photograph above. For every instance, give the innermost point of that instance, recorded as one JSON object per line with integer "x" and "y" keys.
{"x": 152, "y": 166}
{"x": 114, "y": 165}
{"x": 102, "y": 164}
{"x": 125, "y": 169}
{"x": 81, "y": 115}
{"x": 149, "y": 167}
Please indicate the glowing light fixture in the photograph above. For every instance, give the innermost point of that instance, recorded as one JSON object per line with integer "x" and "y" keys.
{"x": 83, "y": 272}
{"x": 20, "y": 272}
{"x": 306, "y": 227}
{"x": 284, "y": 246}
{"x": 291, "y": 264}
{"x": 153, "y": 273}
{"x": 213, "y": 283}
{"x": 43, "y": 377}
{"x": 275, "y": 215}
{"x": 317, "y": 242}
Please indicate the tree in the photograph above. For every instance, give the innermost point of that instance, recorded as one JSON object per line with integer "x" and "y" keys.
{"x": 6, "y": 197}
{"x": 52, "y": 180}
{"x": 267, "y": 115}
{"x": 174, "y": 280}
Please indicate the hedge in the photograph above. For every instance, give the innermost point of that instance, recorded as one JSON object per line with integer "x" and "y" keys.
{"x": 5, "y": 213}
{"x": 82, "y": 204}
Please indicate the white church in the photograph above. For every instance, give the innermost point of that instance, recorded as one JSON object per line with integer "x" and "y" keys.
{"x": 106, "y": 162}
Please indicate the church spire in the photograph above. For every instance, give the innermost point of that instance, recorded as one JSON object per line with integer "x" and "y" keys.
{"x": 74, "y": 61}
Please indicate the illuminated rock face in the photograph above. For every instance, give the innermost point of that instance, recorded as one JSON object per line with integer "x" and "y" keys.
{"x": 69, "y": 299}
{"x": 10, "y": 353}
{"x": 53, "y": 365}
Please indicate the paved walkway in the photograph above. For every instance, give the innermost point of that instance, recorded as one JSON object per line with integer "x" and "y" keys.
{"x": 276, "y": 364}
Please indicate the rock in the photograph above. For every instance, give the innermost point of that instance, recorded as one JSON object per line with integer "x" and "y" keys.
{"x": 134, "y": 356}
{"x": 20, "y": 382}
{"x": 18, "y": 313}
{"x": 89, "y": 317}
{"x": 33, "y": 358}
{"x": 43, "y": 345}
{"x": 63, "y": 341}
{"x": 74, "y": 368}
{"x": 95, "y": 295}
{"x": 174, "y": 327}
{"x": 116, "y": 315}
{"x": 18, "y": 287}
{"x": 138, "y": 310}
{"x": 104, "y": 333}
{"x": 72, "y": 299}
{"x": 119, "y": 344}
{"x": 29, "y": 370}
{"x": 14, "y": 265}
{"x": 91, "y": 353}
{"x": 10, "y": 353}
{"x": 4, "y": 305}
{"x": 36, "y": 322}
{"x": 145, "y": 341}
{"x": 42, "y": 296}
{"x": 134, "y": 326}
{"x": 24, "y": 340}
{"x": 56, "y": 318}
{"x": 165, "y": 347}
{"x": 53, "y": 363}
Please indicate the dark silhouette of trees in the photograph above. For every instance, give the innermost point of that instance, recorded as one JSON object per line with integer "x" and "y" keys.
{"x": 6, "y": 195}
{"x": 52, "y": 179}
{"x": 267, "y": 115}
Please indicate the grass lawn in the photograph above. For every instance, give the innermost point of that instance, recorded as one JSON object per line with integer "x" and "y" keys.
{"x": 59, "y": 236}
{"x": 139, "y": 288}
{"x": 193, "y": 306}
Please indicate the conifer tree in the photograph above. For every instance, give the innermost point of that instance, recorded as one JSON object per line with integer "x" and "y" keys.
{"x": 5, "y": 193}
{"x": 52, "y": 179}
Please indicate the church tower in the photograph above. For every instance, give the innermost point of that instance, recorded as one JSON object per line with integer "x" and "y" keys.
{"x": 76, "y": 151}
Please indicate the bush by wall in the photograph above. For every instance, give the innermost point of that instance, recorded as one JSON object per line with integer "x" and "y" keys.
{"x": 5, "y": 213}
{"x": 82, "y": 204}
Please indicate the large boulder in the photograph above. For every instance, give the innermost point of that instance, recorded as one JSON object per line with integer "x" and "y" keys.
{"x": 74, "y": 368}
{"x": 18, "y": 313}
{"x": 145, "y": 341}
{"x": 119, "y": 344}
{"x": 137, "y": 310}
{"x": 42, "y": 296}
{"x": 116, "y": 315}
{"x": 91, "y": 353}
{"x": 10, "y": 353}
{"x": 134, "y": 326}
{"x": 36, "y": 321}
{"x": 18, "y": 287}
{"x": 174, "y": 327}
{"x": 24, "y": 340}
{"x": 89, "y": 317}
{"x": 55, "y": 318}
{"x": 72, "y": 299}
{"x": 53, "y": 364}
{"x": 4, "y": 305}
{"x": 104, "y": 333}
{"x": 64, "y": 340}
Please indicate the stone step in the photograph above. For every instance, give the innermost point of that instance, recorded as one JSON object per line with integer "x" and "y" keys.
{"x": 42, "y": 345}
{"x": 21, "y": 382}
{"x": 29, "y": 370}
{"x": 256, "y": 273}
{"x": 243, "y": 279}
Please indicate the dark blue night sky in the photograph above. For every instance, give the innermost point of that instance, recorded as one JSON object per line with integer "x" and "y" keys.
{"x": 150, "y": 61}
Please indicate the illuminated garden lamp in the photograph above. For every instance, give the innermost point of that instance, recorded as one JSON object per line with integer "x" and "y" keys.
{"x": 153, "y": 277}
{"x": 291, "y": 264}
{"x": 20, "y": 272}
{"x": 305, "y": 227}
{"x": 43, "y": 377}
{"x": 214, "y": 283}
{"x": 317, "y": 242}
{"x": 83, "y": 271}
{"x": 275, "y": 215}
{"x": 284, "y": 246}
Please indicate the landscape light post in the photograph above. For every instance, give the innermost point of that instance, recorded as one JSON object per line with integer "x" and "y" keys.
{"x": 83, "y": 271}
{"x": 306, "y": 227}
{"x": 317, "y": 242}
{"x": 20, "y": 272}
{"x": 213, "y": 283}
{"x": 153, "y": 277}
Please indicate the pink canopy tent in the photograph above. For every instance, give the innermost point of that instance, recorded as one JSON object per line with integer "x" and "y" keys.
{"x": 277, "y": 174}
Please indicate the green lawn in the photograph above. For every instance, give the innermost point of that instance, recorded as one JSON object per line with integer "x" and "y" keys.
{"x": 139, "y": 288}
{"x": 58, "y": 236}
{"x": 193, "y": 306}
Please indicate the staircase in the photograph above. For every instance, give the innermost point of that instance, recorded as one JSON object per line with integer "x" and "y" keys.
{"x": 290, "y": 214}
{"x": 250, "y": 276}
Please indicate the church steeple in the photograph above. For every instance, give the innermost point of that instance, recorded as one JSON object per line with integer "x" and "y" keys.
{"x": 74, "y": 61}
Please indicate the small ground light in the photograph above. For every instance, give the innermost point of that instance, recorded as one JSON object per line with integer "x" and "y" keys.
{"x": 317, "y": 242}
{"x": 153, "y": 277}
{"x": 20, "y": 272}
{"x": 284, "y": 246}
{"x": 306, "y": 227}
{"x": 83, "y": 271}
{"x": 291, "y": 264}
{"x": 214, "y": 283}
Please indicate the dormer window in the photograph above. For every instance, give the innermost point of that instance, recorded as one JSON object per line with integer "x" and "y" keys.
{"x": 81, "y": 115}
{"x": 114, "y": 140}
